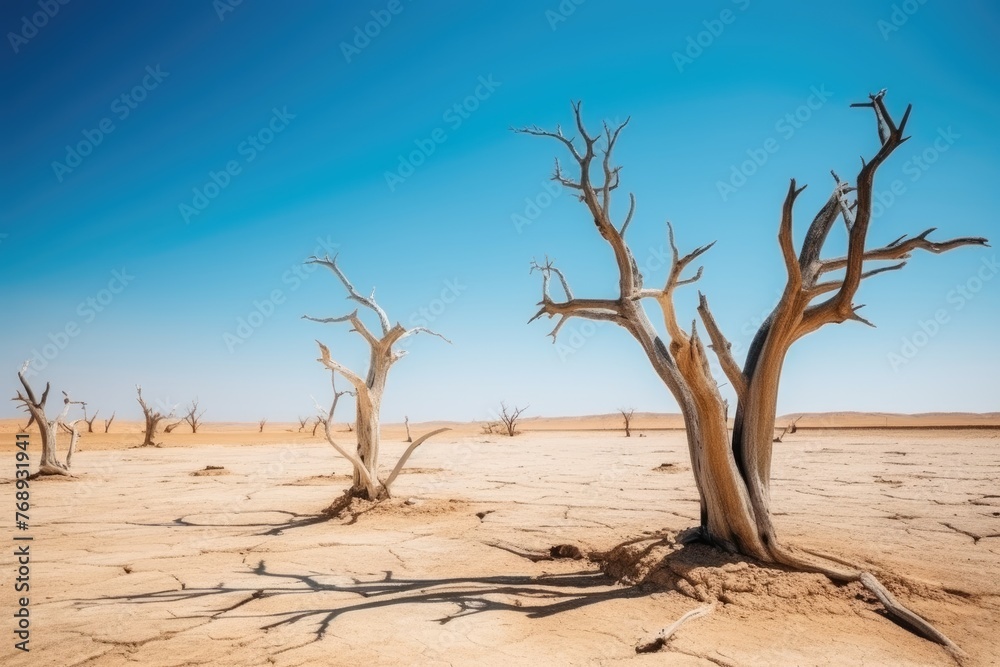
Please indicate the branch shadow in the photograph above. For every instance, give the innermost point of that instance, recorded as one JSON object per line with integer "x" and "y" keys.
{"x": 533, "y": 596}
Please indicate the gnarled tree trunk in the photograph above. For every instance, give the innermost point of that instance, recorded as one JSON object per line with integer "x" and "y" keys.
{"x": 49, "y": 463}
{"x": 733, "y": 474}
{"x": 368, "y": 392}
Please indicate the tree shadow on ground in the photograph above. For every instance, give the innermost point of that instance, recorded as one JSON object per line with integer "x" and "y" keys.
{"x": 533, "y": 596}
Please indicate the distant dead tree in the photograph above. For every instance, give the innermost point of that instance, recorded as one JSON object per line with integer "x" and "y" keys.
{"x": 490, "y": 428}
{"x": 733, "y": 476}
{"x": 153, "y": 417}
{"x": 317, "y": 424}
{"x": 368, "y": 391}
{"x": 107, "y": 422}
{"x": 792, "y": 428}
{"x": 169, "y": 428}
{"x": 302, "y": 423}
{"x": 509, "y": 418}
{"x": 260, "y": 425}
{"x": 193, "y": 415}
{"x": 406, "y": 422}
{"x": 627, "y": 416}
{"x": 48, "y": 428}
{"x": 89, "y": 422}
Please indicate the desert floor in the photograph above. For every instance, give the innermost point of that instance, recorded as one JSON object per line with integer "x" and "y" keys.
{"x": 137, "y": 560}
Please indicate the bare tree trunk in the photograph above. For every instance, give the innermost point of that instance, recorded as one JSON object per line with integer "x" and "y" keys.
{"x": 107, "y": 422}
{"x": 366, "y": 483}
{"x": 152, "y": 418}
{"x": 406, "y": 422}
{"x": 49, "y": 463}
{"x": 90, "y": 422}
{"x": 627, "y": 416}
{"x": 733, "y": 476}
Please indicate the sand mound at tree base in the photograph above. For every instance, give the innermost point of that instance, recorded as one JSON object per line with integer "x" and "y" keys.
{"x": 707, "y": 574}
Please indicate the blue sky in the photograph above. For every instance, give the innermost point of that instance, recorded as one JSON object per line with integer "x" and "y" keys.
{"x": 291, "y": 123}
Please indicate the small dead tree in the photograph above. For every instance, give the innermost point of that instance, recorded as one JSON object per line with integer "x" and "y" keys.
{"x": 316, "y": 424}
{"x": 368, "y": 391}
{"x": 302, "y": 423}
{"x": 169, "y": 428}
{"x": 627, "y": 416}
{"x": 260, "y": 425}
{"x": 509, "y": 418}
{"x": 193, "y": 415}
{"x": 153, "y": 417}
{"x": 89, "y": 422}
{"x": 107, "y": 422}
{"x": 48, "y": 428}
{"x": 733, "y": 475}
{"x": 406, "y": 422}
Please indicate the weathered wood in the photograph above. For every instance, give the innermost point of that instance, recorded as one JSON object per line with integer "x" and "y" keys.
{"x": 732, "y": 472}
{"x": 367, "y": 391}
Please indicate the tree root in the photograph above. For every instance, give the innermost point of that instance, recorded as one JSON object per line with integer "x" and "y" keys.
{"x": 895, "y": 609}
{"x": 47, "y": 469}
{"x": 666, "y": 633}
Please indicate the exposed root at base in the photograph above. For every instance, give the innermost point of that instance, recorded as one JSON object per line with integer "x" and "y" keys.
{"x": 46, "y": 470}
{"x": 708, "y": 574}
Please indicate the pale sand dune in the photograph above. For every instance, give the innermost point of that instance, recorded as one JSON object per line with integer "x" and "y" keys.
{"x": 138, "y": 561}
{"x": 125, "y": 433}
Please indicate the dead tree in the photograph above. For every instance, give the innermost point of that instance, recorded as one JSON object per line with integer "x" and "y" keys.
{"x": 169, "y": 428}
{"x": 153, "y": 417}
{"x": 792, "y": 428}
{"x": 48, "y": 428}
{"x": 733, "y": 475}
{"x": 89, "y": 422}
{"x": 368, "y": 391}
{"x": 107, "y": 422}
{"x": 627, "y": 416}
{"x": 193, "y": 416}
{"x": 260, "y": 425}
{"x": 317, "y": 424}
{"x": 406, "y": 422}
{"x": 509, "y": 418}
{"x": 302, "y": 423}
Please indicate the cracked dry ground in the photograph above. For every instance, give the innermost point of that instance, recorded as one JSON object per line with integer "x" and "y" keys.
{"x": 139, "y": 561}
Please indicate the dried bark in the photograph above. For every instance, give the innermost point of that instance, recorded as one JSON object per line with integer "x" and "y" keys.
{"x": 367, "y": 391}
{"x": 48, "y": 429}
{"x": 152, "y": 418}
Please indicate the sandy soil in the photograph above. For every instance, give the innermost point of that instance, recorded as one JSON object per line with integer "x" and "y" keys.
{"x": 139, "y": 560}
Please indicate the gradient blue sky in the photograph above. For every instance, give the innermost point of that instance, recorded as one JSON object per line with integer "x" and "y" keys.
{"x": 450, "y": 223}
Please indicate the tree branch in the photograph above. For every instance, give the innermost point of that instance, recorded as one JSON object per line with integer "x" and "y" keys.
{"x": 368, "y": 302}
{"x": 722, "y": 349}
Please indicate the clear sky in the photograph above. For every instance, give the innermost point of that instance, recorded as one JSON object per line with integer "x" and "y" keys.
{"x": 203, "y": 150}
